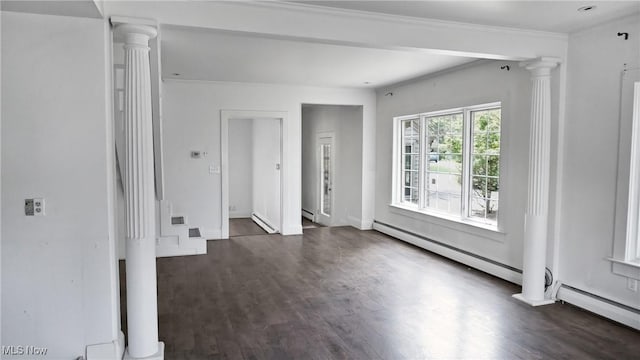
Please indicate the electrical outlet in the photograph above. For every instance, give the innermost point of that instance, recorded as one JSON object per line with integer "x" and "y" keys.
{"x": 38, "y": 206}
{"x": 632, "y": 284}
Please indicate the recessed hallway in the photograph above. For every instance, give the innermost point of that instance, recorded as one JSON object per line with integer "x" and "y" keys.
{"x": 342, "y": 293}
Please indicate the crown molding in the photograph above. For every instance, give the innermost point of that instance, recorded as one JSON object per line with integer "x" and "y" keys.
{"x": 367, "y": 15}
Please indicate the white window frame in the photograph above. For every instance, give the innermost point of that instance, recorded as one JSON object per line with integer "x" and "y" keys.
{"x": 626, "y": 257}
{"x": 632, "y": 246}
{"x": 397, "y": 198}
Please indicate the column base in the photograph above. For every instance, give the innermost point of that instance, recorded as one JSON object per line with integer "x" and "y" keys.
{"x": 157, "y": 356}
{"x": 533, "y": 302}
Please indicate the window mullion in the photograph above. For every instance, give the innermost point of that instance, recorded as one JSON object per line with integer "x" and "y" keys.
{"x": 423, "y": 163}
{"x": 466, "y": 161}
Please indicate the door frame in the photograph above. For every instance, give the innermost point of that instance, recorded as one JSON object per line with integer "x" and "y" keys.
{"x": 325, "y": 135}
{"x": 225, "y": 117}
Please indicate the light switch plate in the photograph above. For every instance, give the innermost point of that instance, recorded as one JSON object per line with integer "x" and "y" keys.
{"x": 28, "y": 207}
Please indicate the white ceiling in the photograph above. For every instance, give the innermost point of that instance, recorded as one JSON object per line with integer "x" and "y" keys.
{"x": 554, "y": 16}
{"x": 203, "y": 54}
{"x": 78, "y": 8}
{"x": 200, "y": 54}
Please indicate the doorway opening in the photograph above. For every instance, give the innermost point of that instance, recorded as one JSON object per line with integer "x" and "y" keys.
{"x": 251, "y": 173}
{"x": 331, "y": 165}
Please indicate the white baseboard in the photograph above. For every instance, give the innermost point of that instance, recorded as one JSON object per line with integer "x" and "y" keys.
{"x": 360, "y": 223}
{"x": 239, "y": 214}
{"x": 469, "y": 260}
{"x": 366, "y": 224}
{"x": 264, "y": 223}
{"x": 307, "y": 215}
{"x": 600, "y": 306}
{"x": 355, "y": 222}
{"x": 108, "y": 351}
{"x": 292, "y": 230}
{"x": 211, "y": 234}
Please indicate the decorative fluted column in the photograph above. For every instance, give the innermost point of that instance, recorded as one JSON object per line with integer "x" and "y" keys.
{"x": 142, "y": 305}
{"x": 536, "y": 216}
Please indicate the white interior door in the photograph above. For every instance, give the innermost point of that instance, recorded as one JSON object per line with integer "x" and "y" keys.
{"x": 326, "y": 168}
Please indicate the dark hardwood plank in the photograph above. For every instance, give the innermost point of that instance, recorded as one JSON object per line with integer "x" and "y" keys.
{"x": 341, "y": 293}
{"x": 244, "y": 227}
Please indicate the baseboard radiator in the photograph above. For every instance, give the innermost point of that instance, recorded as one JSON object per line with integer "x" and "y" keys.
{"x": 468, "y": 258}
{"x": 264, "y": 224}
{"x": 607, "y": 308}
{"x": 602, "y": 306}
{"x": 308, "y": 215}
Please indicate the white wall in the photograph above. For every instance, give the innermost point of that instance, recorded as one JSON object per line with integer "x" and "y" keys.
{"x": 345, "y": 122}
{"x": 59, "y": 285}
{"x": 477, "y": 83}
{"x": 266, "y": 177}
{"x": 240, "y": 168}
{"x": 192, "y": 121}
{"x": 587, "y": 218}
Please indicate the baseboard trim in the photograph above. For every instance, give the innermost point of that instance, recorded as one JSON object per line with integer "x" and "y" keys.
{"x": 107, "y": 351}
{"x": 478, "y": 262}
{"x": 264, "y": 223}
{"x": 239, "y": 214}
{"x": 599, "y": 305}
{"x": 355, "y": 222}
{"x": 211, "y": 234}
{"x": 308, "y": 215}
{"x": 292, "y": 230}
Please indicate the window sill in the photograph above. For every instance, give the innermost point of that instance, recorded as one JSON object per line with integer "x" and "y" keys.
{"x": 630, "y": 269}
{"x": 452, "y": 222}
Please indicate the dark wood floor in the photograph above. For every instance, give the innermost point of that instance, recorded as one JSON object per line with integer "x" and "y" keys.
{"x": 340, "y": 293}
{"x": 244, "y": 227}
{"x": 308, "y": 224}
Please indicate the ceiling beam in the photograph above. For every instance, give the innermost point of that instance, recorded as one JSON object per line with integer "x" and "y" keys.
{"x": 318, "y": 24}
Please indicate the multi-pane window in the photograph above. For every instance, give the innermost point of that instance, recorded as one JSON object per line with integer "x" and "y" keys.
{"x": 450, "y": 162}
{"x": 411, "y": 160}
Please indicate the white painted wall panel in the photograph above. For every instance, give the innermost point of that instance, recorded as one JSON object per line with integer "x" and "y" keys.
{"x": 240, "y": 168}
{"x": 57, "y": 270}
{"x": 192, "y": 121}
{"x": 345, "y": 122}
{"x": 596, "y": 59}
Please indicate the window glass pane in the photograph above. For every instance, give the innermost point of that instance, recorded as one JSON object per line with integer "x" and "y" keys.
{"x": 415, "y": 162}
{"x": 455, "y": 203}
{"x": 444, "y": 184}
{"x": 485, "y": 166}
{"x": 493, "y": 165}
{"x": 443, "y": 201}
{"x": 492, "y": 211}
{"x": 411, "y": 159}
{"x": 431, "y": 200}
{"x": 478, "y": 206}
{"x": 456, "y": 124}
{"x": 479, "y": 185}
{"x": 479, "y": 166}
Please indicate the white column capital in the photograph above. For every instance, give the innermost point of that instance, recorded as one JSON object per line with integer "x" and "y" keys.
{"x": 541, "y": 66}
{"x": 135, "y": 34}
